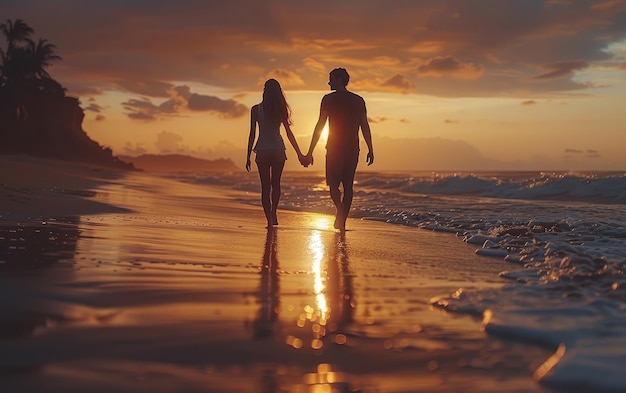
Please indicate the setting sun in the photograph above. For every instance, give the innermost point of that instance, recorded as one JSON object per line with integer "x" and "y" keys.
{"x": 324, "y": 135}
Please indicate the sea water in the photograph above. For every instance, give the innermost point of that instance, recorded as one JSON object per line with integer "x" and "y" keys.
{"x": 566, "y": 230}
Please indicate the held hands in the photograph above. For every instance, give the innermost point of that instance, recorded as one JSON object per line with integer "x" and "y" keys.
{"x": 305, "y": 160}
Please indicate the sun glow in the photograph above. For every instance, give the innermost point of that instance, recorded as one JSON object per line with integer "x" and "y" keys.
{"x": 321, "y": 222}
{"x": 324, "y": 134}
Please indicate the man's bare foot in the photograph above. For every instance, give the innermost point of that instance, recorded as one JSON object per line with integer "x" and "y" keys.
{"x": 340, "y": 222}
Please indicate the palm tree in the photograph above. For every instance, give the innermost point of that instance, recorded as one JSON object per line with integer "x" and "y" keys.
{"x": 23, "y": 72}
{"x": 24, "y": 58}
{"x": 42, "y": 53}
{"x": 15, "y": 32}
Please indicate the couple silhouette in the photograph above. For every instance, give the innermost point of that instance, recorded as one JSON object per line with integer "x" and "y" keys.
{"x": 345, "y": 113}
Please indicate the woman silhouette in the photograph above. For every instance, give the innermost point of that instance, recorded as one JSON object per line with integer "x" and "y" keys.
{"x": 270, "y": 114}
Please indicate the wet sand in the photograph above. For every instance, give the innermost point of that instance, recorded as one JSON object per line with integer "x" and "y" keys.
{"x": 133, "y": 283}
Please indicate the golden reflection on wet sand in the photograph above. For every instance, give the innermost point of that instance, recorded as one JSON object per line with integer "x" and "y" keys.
{"x": 269, "y": 292}
{"x": 188, "y": 291}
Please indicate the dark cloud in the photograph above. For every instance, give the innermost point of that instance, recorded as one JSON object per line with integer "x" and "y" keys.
{"x": 592, "y": 153}
{"x": 450, "y": 121}
{"x": 93, "y": 107}
{"x": 144, "y": 109}
{"x": 400, "y": 83}
{"x": 100, "y": 118}
{"x": 589, "y": 153}
{"x": 449, "y": 66}
{"x": 224, "y": 108}
{"x": 529, "y": 102}
{"x": 146, "y": 87}
{"x": 559, "y": 70}
{"x": 182, "y": 100}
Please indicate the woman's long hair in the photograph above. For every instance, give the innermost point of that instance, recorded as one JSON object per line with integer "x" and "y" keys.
{"x": 275, "y": 106}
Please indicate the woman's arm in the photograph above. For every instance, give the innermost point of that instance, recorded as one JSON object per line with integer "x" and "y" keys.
{"x": 254, "y": 115}
{"x": 292, "y": 139}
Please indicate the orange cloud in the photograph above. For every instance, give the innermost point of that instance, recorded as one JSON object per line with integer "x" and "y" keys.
{"x": 285, "y": 77}
{"x": 314, "y": 65}
{"x": 231, "y": 45}
{"x": 607, "y": 5}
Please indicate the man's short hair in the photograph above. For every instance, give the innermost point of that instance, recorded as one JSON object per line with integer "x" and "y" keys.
{"x": 341, "y": 73}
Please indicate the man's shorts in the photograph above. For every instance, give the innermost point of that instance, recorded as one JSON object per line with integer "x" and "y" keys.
{"x": 271, "y": 157}
{"x": 340, "y": 167}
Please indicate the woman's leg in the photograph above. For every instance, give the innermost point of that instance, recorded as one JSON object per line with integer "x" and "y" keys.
{"x": 266, "y": 184}
{"x": 277, "y": 172}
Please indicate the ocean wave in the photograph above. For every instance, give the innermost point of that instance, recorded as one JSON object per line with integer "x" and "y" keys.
{"x": 593, "y": 187}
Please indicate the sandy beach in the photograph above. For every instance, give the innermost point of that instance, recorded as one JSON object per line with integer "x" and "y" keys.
{"x": 129, "y": 282}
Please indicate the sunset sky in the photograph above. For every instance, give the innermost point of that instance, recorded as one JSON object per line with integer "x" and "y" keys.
{"x": 449, "y": 84}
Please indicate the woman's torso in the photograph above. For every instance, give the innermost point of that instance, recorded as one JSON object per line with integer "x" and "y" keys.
{"x": 269, "y": 132}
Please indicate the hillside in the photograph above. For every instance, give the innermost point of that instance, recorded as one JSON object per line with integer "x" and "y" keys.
{"x": 36, "y": 116}
{"x": 167, "y": 163}
{"x": 50, "y": 126}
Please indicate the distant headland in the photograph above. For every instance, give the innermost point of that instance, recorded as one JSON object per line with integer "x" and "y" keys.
{"x": 168, "y": 163}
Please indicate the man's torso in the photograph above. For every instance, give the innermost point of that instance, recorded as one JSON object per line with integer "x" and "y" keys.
{"x": 345, "y": 111}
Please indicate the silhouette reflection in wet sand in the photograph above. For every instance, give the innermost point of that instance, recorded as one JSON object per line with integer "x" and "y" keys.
{"x": 323, "y": 325}
{"x": 332, "y": 315}
{"x": 266, "y": 321}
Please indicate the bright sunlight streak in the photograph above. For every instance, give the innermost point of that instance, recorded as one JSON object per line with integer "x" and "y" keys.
{"x": 322, "y": 222}
{"x": 317, "y": 253}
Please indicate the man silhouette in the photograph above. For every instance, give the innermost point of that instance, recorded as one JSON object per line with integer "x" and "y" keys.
{"x": 346, "y": 115}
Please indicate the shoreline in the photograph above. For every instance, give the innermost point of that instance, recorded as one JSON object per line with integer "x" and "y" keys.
{"x": 184, "y": 287}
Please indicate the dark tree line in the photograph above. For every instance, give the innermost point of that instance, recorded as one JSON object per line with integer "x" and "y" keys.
{"x": 23, "y": 66}
{"x": 36, "y": 116}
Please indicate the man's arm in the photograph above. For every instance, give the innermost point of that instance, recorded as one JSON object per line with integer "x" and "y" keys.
{"x": 317, "y": 132}
{"x": 367, "y": 135}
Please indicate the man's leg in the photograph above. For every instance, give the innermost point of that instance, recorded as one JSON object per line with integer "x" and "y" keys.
{"x": 347, "y": 180}
{"x": 348, "y": 194}
{"x": 335, "y": 195}
{"x": 333, "y": 179}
